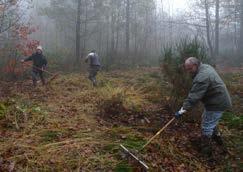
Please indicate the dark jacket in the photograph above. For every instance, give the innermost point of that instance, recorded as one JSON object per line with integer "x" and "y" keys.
{"x": 39, "y": 61}
{"x": 209, "y": 88}
{"x": 93, "y": 59}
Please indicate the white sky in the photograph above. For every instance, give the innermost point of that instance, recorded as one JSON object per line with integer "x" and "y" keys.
{"x": 181, "y": 4}
{"x": 174, "y": 6}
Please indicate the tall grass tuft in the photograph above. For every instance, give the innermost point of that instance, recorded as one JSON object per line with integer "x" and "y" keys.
{"x": 119, "y": 100}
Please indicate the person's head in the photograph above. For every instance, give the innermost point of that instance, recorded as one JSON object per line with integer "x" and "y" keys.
{"x": 39, "y": 49}
{"x": 191, "y": 65}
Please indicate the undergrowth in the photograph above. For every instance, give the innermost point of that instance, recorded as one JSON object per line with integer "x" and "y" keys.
{"x": 62, "y": 127}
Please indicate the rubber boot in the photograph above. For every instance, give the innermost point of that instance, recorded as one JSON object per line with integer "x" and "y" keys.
{"x": 43, "y": 81}
{"x": 217, "y": 137}
{"x": 206, "y": 146}
{"x": 196, "y": 142}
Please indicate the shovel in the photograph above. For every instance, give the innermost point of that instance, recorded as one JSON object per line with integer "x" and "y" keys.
{"x": 149, "y": 141}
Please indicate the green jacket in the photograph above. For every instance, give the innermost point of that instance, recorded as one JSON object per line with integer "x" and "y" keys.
{"x": 208, "y": 88}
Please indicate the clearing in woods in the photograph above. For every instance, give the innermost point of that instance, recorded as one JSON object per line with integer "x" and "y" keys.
{"x": 71, "y": 126}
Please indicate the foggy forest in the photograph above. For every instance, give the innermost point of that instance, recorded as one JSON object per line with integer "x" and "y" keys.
{"x": 121, "y": 85}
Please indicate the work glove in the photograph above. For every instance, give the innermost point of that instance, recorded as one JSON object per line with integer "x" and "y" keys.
{"x": 22, "y": 61}
{"x": 179, "y": 113}
{"x": 43, "y": 68}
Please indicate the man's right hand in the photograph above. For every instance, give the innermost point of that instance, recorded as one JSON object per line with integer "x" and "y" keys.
{"x": 22, "y": 61}
{"x": 179, "y": 113}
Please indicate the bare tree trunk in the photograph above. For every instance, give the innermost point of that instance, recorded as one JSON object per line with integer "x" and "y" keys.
{"x": 107, "y": 35}
{"x": 117, "y": 37}
{"x": 136, "y": 36}
{"x": 78, "y": 24}
{"x": 240, "y": 46}
{"x": 85, "y": 30}
{"x": 156, "y": 42}
{"x": 217, "y": 28}
{"x": 235, "y": 26}
{"x": 100, "y": 38}
{"x": 112, "y": 29}
{"x": 127, "y": 28}
{"x": 145, "y": 41}
{"x": 208, "y": 28}
{"x": 100, "y": 32}
{"x": 162, "y": 30}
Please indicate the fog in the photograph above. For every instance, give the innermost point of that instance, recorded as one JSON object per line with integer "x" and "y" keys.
{"x": 136, "y": 33}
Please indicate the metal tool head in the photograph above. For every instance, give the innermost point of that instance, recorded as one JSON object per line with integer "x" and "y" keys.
{"x": 134, "y": 157}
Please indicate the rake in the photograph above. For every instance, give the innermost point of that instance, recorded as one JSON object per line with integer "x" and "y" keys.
{"x": 143, "y": 164}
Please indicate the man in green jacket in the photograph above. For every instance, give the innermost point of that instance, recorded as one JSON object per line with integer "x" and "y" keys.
{"x": 207, "y": 87}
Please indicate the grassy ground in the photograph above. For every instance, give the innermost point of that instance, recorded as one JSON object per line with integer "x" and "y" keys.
{"x": 71, "y": 126}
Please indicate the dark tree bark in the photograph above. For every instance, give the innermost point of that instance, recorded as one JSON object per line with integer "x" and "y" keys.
{"x": 113, "y": 19}
{"x": 217, "y": 28}
{"x": 208, "y": 27}
{"x": 127, "y": 27}
{"x": 136, "y": 36}
{"x": 240, "y": 46}
{"x": 85, "y": 30}
{"x": 117, "y": 36}
{"x": 78, "y": 25}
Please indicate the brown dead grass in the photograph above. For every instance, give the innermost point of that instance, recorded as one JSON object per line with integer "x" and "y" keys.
{"x": 69, "y": 125}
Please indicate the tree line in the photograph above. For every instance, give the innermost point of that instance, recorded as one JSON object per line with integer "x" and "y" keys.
{"x": 125, "y": 31}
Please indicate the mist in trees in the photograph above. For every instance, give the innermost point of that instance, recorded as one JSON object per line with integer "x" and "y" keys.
{"x": 125, "y": 32}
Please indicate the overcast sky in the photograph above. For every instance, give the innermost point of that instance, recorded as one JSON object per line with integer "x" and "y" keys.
{"x": 173, "y": 6}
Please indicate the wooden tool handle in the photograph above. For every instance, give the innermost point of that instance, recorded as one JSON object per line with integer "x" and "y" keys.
{"x": 162, "y": 129}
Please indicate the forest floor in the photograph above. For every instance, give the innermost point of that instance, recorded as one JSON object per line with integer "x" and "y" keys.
{"x": 72, "y": 126}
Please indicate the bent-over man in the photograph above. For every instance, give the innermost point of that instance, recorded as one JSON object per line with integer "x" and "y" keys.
{"x": 209, "y": 88}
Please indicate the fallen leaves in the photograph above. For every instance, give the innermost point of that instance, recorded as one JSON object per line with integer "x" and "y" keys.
{"x": 79, "y": 134}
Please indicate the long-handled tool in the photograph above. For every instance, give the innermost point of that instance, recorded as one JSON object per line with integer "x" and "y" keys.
{"x": 52, "y": 74}
{"x": 149, "y": 141}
